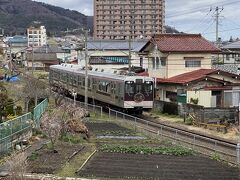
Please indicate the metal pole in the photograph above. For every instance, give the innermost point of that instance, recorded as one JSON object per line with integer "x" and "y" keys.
{"x": 130, "y": 53}
{"x": 33, "y": 53}
{"x": 86, "y": 69}
{"x": 238, "y": 153}
{"x": 217, "y": 23}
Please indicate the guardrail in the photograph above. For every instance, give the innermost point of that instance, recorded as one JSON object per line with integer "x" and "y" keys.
{"x": 227, "y": 151}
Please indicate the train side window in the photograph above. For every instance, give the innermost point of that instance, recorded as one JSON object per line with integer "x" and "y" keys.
{"x": 75, "y": 80}
{"x": 79, "y": 80}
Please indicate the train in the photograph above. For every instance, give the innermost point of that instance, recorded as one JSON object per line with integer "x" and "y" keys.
{"x": 131, "y": 94}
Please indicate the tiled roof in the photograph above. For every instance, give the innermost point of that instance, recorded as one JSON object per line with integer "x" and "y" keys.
{"x": 188, "y": 77}
{"x": 183, "y": 43}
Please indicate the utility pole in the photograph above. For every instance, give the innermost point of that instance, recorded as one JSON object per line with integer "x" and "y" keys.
{"x": 86, "y": 67}
{"x": 130, "y": 53}
{"x": 33, "y": 43}
{"x": 132, "y": 9}
{"x": 218, "y": 11}
{"x": 217, "y": 23}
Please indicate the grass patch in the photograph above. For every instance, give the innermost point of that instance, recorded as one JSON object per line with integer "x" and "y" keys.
{"x": 133, "y": 149}
{"x": 98, "y": 116}
{"x": 73, "y": 139}
{"x": 33, "y": 156}
{"x": 71, "y": 167}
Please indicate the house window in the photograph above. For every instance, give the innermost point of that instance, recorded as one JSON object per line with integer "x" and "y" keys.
{"x": 157, "y": 62}
{"x": 153, "y": 63}
{"x": 227, "y": 57}
{"x": 192, "y": 62}
{"x": 141, "y": 61}
{"x": 163, "y": 61}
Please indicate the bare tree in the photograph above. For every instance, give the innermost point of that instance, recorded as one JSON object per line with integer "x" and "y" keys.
{"x": 51, "y": 125}
{"x": 33, "y": 89}
{"x": 3, "y": 99}
{"x": 73, "y": 123}
{"x": 17, "y": 167}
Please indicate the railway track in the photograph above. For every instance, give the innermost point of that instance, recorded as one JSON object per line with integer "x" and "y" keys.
{"x": 208, "y": 145}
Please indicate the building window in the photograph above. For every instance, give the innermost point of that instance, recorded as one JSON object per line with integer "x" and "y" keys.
{"x": 163, "y": 61}
{"x": 157, "y": 62}
{"x": 227, "y": 57}
{"x": 192, "y": 62}
{"x": 141, "y": 61}
{"x": 153, "y": 63}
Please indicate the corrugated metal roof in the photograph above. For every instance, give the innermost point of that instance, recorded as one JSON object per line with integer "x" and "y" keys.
{"x": 49, "y": 49}
{"x": 234, "y": 45}
{"x": 116, "y": 44}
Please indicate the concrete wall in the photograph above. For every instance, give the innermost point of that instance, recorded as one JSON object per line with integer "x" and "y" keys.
{"x": 204, "y": 97}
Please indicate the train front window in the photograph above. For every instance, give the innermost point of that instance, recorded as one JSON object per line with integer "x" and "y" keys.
{"x": 129, "y": 88}
{"x": 139, "y": 88}
{"x": 148, "y": 87}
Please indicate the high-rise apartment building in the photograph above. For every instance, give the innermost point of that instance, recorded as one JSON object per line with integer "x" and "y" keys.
{"x": 121, "y": 19}
{"x": 37, "y": 35}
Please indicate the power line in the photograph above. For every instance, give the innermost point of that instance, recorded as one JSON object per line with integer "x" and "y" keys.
{"x": 201, "y": 8}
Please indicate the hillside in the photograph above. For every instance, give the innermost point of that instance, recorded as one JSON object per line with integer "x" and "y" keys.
{"x": 17, "y": 15}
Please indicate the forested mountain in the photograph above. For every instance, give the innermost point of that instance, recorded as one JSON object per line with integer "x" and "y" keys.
{"x": 17, "y": 15}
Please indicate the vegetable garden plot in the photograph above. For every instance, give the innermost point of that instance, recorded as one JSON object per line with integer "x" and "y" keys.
{"x": 46, "y": 161}
{"x": 139, "y": 166}
{"x": 108, "y": 129}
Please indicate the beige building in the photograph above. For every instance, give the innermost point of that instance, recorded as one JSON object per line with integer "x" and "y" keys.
{"x": 170, "y": 55}
{"x": 37, "y": 36}
{"x": 119, "y": 19}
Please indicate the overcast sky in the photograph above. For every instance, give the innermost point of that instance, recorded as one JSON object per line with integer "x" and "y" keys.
{"x": 191, "y": 16}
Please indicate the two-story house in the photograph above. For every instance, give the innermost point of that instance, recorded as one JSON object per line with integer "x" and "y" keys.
{"x": 173, "y": 54}
{"x": 181, "y": 65}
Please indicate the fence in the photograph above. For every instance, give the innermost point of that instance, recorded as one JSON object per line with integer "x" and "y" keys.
{"x": 13, "y": 130}
{"x": 227, "y": 151}
{"x": 38, "y": 110}
{"x": 89, "y": 107}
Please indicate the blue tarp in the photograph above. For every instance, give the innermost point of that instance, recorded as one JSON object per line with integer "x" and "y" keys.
{"x": 13, "y": 79}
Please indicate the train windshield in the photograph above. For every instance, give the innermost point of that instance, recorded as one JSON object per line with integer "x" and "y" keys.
{"x": 148, "y": 87}
{"x": 129, "y": 88}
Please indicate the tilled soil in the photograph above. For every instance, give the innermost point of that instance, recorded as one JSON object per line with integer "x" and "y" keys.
{"x": 108, "y": 128}
{"x": 49, "y": 162}
{"x": 137, "y": 166}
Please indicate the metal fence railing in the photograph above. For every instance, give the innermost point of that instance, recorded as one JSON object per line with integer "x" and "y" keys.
{"x": 203, "y": 144}
{"x": 11, "y": 131}
{"x": 13, "y": 128}
{"x": 90, "y": 107}
{"x": 38, "y": 110}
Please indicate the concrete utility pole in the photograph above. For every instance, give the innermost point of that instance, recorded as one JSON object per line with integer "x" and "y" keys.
{"x": 86, "y": 67}
{"x": 218, "y": 11}
{"x": 130, "y": 54}
{"x": 132, "y": 5}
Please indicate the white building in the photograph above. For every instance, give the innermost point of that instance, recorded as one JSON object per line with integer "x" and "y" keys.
{"x": 37, "y": 36}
